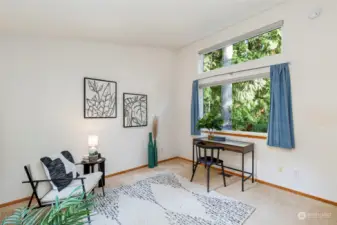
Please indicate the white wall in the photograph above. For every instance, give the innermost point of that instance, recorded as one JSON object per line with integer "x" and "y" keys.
{"x": 42, "y": 103}
{"x": 310, "y": 46}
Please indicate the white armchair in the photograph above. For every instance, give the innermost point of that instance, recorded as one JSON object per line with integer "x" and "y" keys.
{"x": 44, "y": 193}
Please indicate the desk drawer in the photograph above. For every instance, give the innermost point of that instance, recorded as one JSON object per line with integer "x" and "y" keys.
{"x": 233, "y": 148}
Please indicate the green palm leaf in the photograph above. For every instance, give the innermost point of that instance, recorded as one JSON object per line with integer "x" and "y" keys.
{"x": 72, "y": 210}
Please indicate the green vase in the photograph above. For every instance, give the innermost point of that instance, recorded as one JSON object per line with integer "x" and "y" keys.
{"x": 155, "y": 153}
{"x": 150, "y": 150}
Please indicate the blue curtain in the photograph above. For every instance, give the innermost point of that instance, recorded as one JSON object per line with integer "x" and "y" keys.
{"x": 280, "y": 128}
{"x": 195, "y": 108}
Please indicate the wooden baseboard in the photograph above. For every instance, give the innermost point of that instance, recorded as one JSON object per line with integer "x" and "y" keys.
{"x": 107, "y": 176}
{"x": 137, "y": 168}
{"x": 276, "y": 186}
{"x": 14, "y": 202}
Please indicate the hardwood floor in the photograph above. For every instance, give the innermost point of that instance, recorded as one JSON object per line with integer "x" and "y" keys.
{"x": 273, "y": 206}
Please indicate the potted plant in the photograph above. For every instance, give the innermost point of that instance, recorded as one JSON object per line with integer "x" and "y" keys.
{"x": 211, "y": 121}
{"x": 72, "y": 210}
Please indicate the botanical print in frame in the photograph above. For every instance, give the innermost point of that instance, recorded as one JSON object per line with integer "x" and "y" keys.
{"x": 134, "y": 110}
{"x": 100, "y": 98}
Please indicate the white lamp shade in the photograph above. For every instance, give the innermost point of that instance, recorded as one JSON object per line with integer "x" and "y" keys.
{"x": 92, "y": 140}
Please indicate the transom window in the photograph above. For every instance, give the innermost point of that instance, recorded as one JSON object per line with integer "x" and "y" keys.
{"x": 265, "y": 44}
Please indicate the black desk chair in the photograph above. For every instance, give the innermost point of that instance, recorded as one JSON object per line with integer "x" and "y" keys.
{"x": 208, "y": 159}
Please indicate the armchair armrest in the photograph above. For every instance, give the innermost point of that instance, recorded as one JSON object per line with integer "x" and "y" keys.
{"x": 79, "y": 178}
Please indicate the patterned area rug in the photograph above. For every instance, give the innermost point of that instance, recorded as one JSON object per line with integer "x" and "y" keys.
{"x": 168, "y": 199}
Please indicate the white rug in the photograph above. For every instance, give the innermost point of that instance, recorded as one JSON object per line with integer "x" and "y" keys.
{"x": 167, "y": 199}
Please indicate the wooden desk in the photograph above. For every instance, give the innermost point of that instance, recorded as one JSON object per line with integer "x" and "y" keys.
{"x": 233, "y": 146}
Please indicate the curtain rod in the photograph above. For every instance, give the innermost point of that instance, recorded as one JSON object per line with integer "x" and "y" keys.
{"x": 231, "y": 73}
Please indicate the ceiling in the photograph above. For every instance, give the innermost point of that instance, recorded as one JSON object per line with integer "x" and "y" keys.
{"x": 159, "y": 23}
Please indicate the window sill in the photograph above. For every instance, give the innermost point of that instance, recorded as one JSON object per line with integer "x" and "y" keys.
{"x": 240, "y": 134}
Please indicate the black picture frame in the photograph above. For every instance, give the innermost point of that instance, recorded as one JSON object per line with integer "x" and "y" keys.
{"x": 100, "y": 99}
{"x": 135, "y": 110}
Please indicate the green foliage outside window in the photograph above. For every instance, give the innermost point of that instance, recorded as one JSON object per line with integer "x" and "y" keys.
{"x": 266, "y": 44}
{"x": 250, "y": 99}
{"x": 212, "y": 100}
{"x": 213, "y": 60}
{"x": 250, "y": 108}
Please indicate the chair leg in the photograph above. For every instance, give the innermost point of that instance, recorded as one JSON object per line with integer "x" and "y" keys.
{"x": 88, "y": 216}
{"x": 30, "y": 201}
{"x": 223, "y": 174}
{"x": 85, "y": 197}
{"x": 208, "y": 171}
{"x": 194, "y": 170}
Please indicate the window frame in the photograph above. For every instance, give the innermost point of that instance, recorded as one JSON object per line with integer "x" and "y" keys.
{"x": 225, "y": 44}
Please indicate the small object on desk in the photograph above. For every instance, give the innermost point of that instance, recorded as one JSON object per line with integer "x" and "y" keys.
{"x": 93, "y": 158}
{"x": 216, "y": 138}
{"x": 212, "y": 122}
{"x": 85, "y": 158}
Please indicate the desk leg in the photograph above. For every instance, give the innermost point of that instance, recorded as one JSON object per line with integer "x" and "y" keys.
{"x": 243, "y": 174}
{"x": 253, "y": 167}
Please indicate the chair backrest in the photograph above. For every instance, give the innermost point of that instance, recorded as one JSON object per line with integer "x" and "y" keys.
{"x": 208, "y": 150}
{"x": 35, "y": 171}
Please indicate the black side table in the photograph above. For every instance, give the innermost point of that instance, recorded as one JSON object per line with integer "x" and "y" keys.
{"x": 101, "y": 167}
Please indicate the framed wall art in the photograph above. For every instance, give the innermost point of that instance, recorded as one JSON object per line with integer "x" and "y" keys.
{"x": 134, "y": 110}
{"x": 100, "y": 98}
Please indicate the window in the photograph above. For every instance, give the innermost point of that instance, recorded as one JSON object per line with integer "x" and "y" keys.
{"x": 213, "y": 60}
{"x": 265, "y": 44}
{"x": 244, "y": 105}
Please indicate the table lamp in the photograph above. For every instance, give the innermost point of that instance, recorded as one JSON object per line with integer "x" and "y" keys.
{"x": 92, "y": 143}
